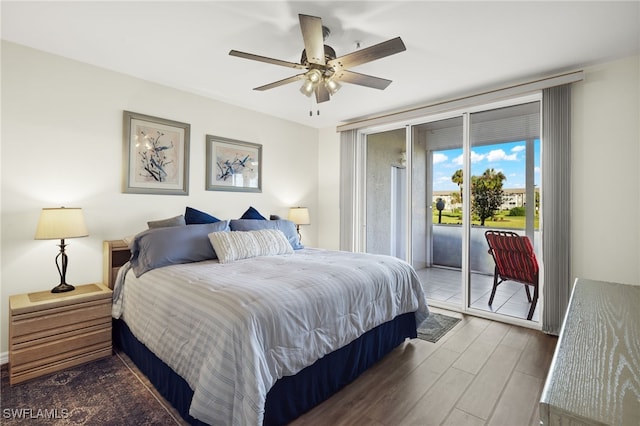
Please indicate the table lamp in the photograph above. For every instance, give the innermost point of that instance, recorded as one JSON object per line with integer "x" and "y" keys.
{"x": 299, "y": 216}
{"x": 61, "y": 223}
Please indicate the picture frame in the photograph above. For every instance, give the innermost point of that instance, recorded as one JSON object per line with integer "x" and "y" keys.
{"x": 233, "y": 165}
{"x": 161, "y": 164}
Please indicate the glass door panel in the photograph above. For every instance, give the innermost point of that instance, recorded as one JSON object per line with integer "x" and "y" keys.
{"x": 436, "y": 207}
{"x": 505, "y": 165}
{"x": 386, "y": 189}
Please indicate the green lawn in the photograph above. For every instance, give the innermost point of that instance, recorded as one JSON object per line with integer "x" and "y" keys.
{"x": 502, "y": 220}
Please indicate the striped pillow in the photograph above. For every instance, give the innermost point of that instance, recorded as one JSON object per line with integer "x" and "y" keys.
{"x": 236, "y": 245}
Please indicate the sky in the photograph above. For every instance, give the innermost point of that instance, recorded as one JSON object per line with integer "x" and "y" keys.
{"x": 508, "y": 158}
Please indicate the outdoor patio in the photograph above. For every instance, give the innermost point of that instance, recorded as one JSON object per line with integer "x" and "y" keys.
{"x": 444, "y": 284}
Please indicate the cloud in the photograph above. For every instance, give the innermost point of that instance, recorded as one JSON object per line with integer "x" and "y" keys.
{"x": 438, "y": 158}
{"x": 518, "y": 148}
{"x": 500, "y": 155}
{"x": 475, "y": 158}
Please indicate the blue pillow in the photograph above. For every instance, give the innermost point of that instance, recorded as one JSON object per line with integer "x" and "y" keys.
{"x": 252, "y": 213}
{"x": 194, "y": 217}
{"x": 159, "y": 247}
{"x": 287, "y": 227}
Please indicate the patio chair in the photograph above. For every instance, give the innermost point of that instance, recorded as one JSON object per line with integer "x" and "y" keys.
{"x": 515, "y": 261}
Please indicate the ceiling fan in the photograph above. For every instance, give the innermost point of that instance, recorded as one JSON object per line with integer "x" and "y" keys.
{"x": 325, "y": 71}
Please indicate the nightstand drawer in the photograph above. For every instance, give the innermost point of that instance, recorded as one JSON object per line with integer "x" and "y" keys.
{"x": 71, "y": 359}
{"x": 53, "y": 334}
{"x": 53, "y": 319}
{"x": 57, "y": 349}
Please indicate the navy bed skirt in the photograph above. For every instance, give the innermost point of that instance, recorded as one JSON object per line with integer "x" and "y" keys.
{"x": 290, "y": 396}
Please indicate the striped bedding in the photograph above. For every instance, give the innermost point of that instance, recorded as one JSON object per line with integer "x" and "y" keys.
{"x": 231, "y": 330}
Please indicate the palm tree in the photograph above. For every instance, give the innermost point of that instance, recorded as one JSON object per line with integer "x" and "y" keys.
{"x": 496, "y": 178}
{"x": 455, "y": 199}
{"x": 457, "y": 179}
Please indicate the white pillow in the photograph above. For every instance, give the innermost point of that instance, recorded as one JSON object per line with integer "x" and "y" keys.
{"x": 236, "y": 245}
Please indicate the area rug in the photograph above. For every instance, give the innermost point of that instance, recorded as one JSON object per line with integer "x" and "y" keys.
{"x": 436, "y": 326}
{"x": 103, "y": 392}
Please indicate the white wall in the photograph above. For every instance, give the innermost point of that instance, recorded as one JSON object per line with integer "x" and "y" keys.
{"x": 62, "y": 145}
{"x": 328, "y": 215}
{"x": 605, "y": 168}
{"x": 605, "y": 171}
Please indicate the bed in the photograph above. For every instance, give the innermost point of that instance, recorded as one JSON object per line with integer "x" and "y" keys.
{"x": 254, "y": 336}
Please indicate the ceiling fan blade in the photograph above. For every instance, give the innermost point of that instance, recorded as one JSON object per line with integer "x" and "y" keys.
{"x": 266, "y": 59}
{"x": 280, "y": 82}
{"x": 362, "y": 79}
{"x": 311, "y": 27}
{"x": 322, "y": 94}
{"x": 368, "y": 54}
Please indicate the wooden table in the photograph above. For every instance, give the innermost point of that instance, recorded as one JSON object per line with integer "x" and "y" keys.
{"x": 594, "y": 377}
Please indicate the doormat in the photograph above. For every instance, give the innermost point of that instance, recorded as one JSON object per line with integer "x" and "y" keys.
{"x": 436, "y": 326}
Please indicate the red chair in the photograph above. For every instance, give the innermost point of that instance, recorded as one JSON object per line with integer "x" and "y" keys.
{"x": 515, "y": 261}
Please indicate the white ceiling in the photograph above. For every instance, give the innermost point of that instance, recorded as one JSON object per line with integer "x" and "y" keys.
{"x": 453, "y": 48}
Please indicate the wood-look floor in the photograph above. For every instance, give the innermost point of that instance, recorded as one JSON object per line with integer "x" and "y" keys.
{"x": 480, "y": 373}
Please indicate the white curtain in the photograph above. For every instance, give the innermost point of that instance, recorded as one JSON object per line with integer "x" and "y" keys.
{"x": 556, "y": 205}
{"x": 347, "y": 189}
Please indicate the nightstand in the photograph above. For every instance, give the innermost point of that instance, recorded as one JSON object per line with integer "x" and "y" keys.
{"x": 115, "y": 254}
{"x": 49, "y": 332}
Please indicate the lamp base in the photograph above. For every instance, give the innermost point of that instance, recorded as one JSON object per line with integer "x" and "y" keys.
{"x": 62, "y": 288}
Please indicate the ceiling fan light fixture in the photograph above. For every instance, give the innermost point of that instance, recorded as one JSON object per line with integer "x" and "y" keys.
{"x": 307, "y": 88}
{"x": 311, "y": 79}
{"x": 332, "y": 86}
{"x": 314, "y": 76}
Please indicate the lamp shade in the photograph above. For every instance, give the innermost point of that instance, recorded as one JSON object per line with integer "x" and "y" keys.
{"x": 61, "y": 223}
{"x": 332, "y": 86}
{"x": 299, "y": 215}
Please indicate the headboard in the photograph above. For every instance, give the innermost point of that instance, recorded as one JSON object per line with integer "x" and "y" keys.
{"x": 115, "y": 253}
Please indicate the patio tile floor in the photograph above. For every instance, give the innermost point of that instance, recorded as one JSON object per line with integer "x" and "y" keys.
{"x": 443, "y": 284}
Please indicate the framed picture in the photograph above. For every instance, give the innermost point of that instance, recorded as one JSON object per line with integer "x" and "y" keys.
{"x": 233, "y": 165}
{"x": 156, "y": 155}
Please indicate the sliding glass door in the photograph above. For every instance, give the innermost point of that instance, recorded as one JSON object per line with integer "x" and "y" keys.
{"x": 433, "y": 188}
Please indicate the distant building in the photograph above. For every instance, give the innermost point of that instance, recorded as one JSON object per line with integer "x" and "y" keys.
{"x": 513, "y": 197}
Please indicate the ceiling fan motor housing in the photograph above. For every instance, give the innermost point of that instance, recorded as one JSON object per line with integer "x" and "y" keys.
{"x": 329, "y": 54}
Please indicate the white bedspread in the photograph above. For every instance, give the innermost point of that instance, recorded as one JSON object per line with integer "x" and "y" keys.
{"x": 231, "y": 330}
